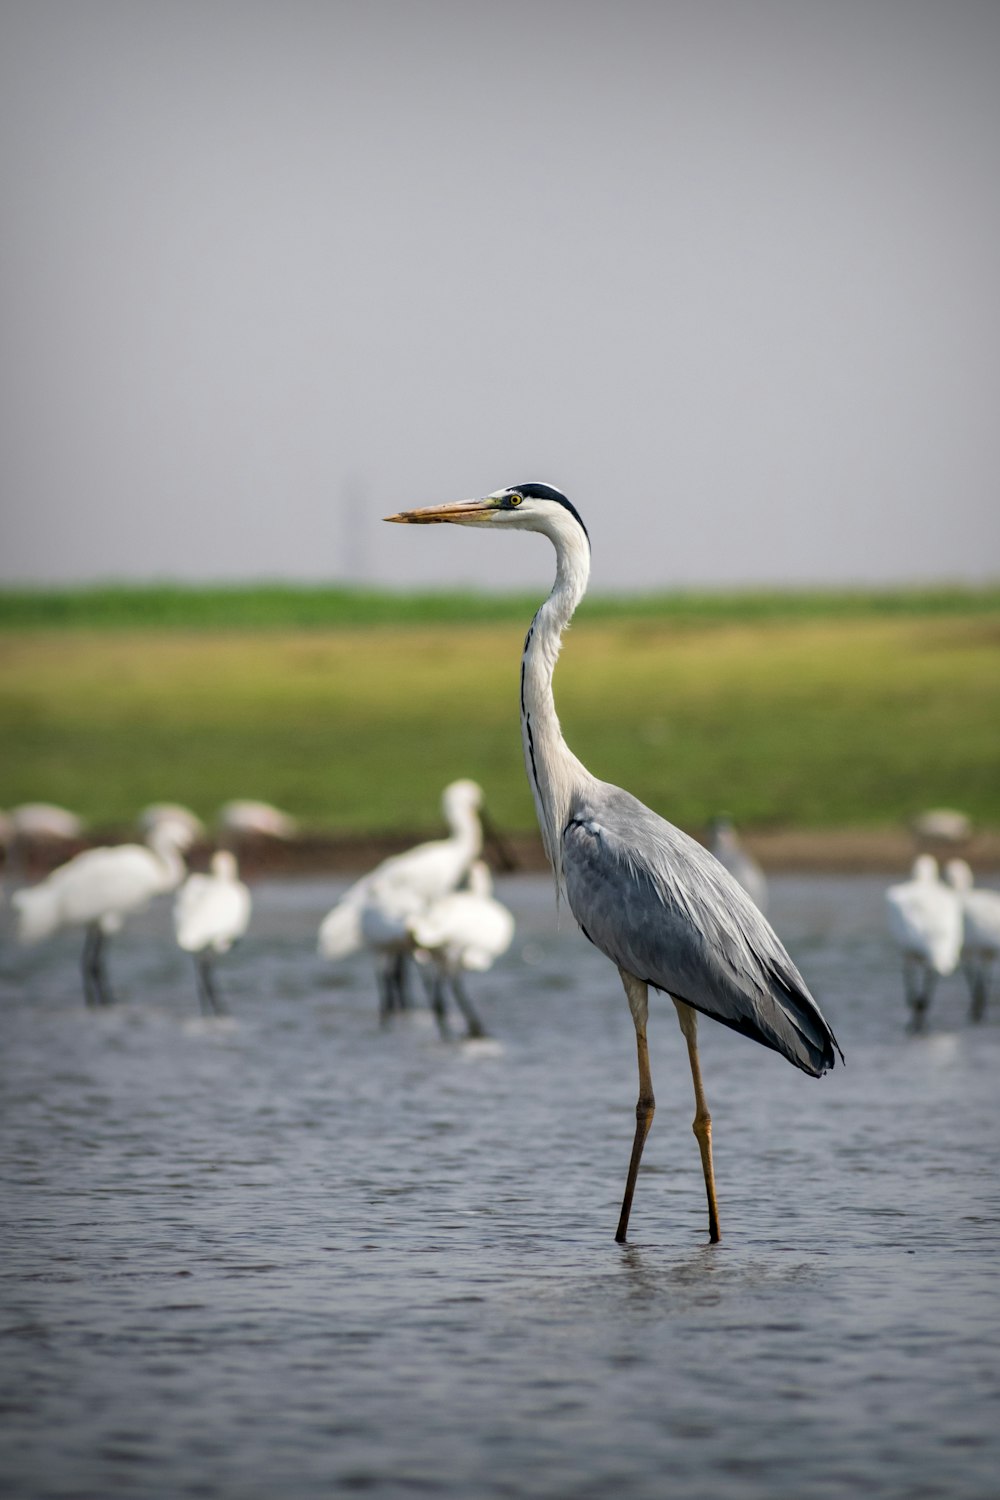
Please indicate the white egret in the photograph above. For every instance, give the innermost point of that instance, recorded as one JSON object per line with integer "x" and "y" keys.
{"x": 980, "y": 932}
{"x": 171, "y": 812}
{"x": 383, "y": 914}
{"x": 97, "y": 890}
{"x": 39, "y": 827}
{"x": 466, "y": 931}
{"x": 941, "y": 827}
{"x": 374, "y": 912}
{"x": 658, "y": 904}
{"x": 925, "y": 921}
{"x": 211, "y": 913}
{"x": 244, "y": 819}
{"x": 43, "y": 820}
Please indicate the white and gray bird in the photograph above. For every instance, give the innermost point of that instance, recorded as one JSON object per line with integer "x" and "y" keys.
{"x": 97, "y": 890}
{"x": 35, "y": 827}
{"x": 211, "y": 913}
{"x": 725, "y": 844}
{"x": 43, "y": 820}
{"x": 464, "y": 932}
{"x": 374, "y": 912}
{"x": 925, "y": 922}
{"x": 171, "y": 812}
{"x": 942, "y": 828}
{"x": 244, "y": 819}
{"x": 658, "y": 904}
{"x": 980, "y": 932}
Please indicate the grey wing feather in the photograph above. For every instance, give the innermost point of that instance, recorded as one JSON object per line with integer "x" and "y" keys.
{"x": 663, "y": 908}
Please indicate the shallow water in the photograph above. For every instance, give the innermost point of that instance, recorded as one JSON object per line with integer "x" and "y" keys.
{"x": 289, "y": 1254}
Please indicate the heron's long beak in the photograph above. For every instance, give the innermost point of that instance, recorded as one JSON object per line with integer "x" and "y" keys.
{"x": 459, "y": 512}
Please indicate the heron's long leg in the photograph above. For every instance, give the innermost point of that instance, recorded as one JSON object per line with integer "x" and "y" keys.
{"x": 465, "y": 1005}
{"x": 702, "y": 1119}
{"x": 638, "y": 1003}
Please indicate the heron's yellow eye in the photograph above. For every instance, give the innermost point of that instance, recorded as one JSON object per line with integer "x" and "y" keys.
{"x": 514, "y": 499}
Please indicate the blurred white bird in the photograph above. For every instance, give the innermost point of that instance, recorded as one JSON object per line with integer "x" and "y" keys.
{"x": 725, "y": 845}
{"x": 211, "y": 913}
{"x": 34, "y": 826}
{"x": 249, "y": 820}
{"x": 384, "y": 913}
{"x": 925, "y": 920}
{"x": 43, "y": 820}
{"x": 97, "y": 890}
{"x": 374, "y": 912}
{"x": 941, "y": 827}
{"x": 467, "y": 930}
{"x": 170, "y": 812}
{"x": 980, "y": 933}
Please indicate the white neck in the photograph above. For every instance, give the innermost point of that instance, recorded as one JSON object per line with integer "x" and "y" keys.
{"x": 466, "y": 829}
{"x": 166, "y": 842}
{"x": 553, "y": 770}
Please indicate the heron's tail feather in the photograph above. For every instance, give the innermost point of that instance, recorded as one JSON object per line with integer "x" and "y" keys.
{"x": 806, "y": 1039}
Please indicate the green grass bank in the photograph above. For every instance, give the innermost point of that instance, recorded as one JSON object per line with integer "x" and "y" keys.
{"x": 170, "y": 606}
{"x": 352, "y": 709}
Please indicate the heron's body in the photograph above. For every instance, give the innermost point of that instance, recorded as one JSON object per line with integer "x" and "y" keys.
{"x": 211, "y": 913}
{"x": 708, "y": 943}
{"x": 663, "y": 909}
{"x": 925, "y": 921}
{"x": 980, "y": 933}
{"x": 97, "y": 890}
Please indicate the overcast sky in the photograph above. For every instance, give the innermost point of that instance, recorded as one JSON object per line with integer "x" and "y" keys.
{"x": 727, "y": 273}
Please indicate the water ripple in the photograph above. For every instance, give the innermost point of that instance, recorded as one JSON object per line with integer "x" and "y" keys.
{"x": 290, "y": 1253}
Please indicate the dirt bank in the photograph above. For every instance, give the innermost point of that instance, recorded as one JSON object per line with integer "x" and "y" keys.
{"x": 841, "y": 851}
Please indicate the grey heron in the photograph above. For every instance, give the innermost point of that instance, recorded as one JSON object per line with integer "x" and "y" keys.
{"x": 654, "y": 901}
